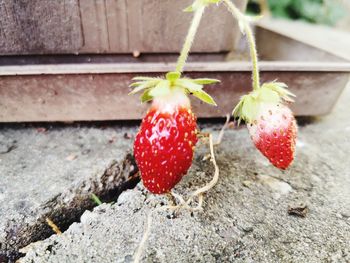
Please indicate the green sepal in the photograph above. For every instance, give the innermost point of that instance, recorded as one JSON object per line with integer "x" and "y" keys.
{"x": 271, "y": 92}
{"x": 205, "y": 81}
{"x": 281, "y": 89}
{"x": 267, "y": 95}
{"x": 138, "y": 86}
{"x": 250, "y": 108}
{"x": 237, "y": 111}
{"x": 189, "y": 85}
{"x": 246, "y": 109}
{"x": 156, "y": 87}
{"x": 162, "y": 88}
{"x": 205, "y": 97}
{"x": 192, "y": 87}
{"x": 145, "y": 97}
{"x": 141, "y": 78}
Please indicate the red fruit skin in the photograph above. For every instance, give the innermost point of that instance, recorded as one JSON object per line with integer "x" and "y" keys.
{"x": 274, "y": 133}
{"x": 164, "y": 147}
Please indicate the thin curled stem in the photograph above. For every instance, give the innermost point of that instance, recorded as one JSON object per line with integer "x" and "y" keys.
{"x": 222, "y": 131}
{"x": 213, "y": 182}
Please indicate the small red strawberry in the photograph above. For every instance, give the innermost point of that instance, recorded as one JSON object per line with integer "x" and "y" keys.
{"x": 270, "y": 122}
{"x": 164, "y": 145}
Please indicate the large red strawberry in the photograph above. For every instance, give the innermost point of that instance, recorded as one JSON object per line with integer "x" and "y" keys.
{"x": 165, "y": 143}
{"x": 270, "y": 122}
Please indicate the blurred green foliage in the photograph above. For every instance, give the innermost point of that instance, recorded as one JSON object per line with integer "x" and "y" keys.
{"x": 314, "y": 11}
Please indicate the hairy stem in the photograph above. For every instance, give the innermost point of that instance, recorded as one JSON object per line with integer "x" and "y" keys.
{"x": 189, "y": 39}
{"x": 251, "y": 40}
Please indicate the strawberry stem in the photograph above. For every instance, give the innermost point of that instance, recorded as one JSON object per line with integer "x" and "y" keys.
{"x": 198, "y": 13}
{"x": 245, "y": 26}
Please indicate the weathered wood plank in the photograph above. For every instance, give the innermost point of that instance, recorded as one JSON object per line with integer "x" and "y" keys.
{"x": 117, "y": 25}
{"x": 164, "y": 26}
{"x": 135, "y": 26}
{"x": 37, "y": 26}
{"x": 110, "y": 26}
{"x": 89, "y": 26}
{"x": 105, "y": 68}
{"x": 95, "y": 96}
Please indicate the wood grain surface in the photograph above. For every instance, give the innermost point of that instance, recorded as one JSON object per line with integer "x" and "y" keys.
{"x": 110, "y": 26}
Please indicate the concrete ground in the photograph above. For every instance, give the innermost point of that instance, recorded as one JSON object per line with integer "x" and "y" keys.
{"x": 255, "y": 213}
{"x": 51, "y": 173}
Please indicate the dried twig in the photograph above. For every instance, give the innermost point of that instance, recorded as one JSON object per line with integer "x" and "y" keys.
{"x": 221, "y": 134}
{"x": 53, "y": 226}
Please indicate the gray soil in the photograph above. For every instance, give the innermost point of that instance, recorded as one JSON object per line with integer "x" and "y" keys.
{"x": 255, "y": 213}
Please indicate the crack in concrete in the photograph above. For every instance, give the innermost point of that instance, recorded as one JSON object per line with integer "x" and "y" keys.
{"x": 66, "y": 208}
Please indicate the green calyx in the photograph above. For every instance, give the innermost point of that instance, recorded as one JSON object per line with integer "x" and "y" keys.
{"x": 271, "y": 92}
{"x": 156, "y": 87}
{"x": 200, "y": 3}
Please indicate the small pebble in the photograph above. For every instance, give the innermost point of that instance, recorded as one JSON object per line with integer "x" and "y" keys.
{"x": 299, "y": 210}
{"x": 247, "y": 183}
{"x": 247, "y": 228}
{"x": 71, "y": 157}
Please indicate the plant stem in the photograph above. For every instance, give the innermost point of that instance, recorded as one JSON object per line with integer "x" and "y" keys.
{"x": 251, "y": 41}
{"x": 189, "y": 39}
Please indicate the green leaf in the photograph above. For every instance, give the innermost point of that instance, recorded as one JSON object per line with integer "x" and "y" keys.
{"x": 146, "y": 97}
{"x": 205, "y": 81}
{"x": 145, "y": 85}
{"x": 205, "y": 97}
{"x": 162, "y": 88}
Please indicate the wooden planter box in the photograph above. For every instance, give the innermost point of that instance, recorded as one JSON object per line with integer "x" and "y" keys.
{"x": 84, "y": 88}
{"x": 110, "y": 26}
{"x": 71, "y": 92}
